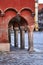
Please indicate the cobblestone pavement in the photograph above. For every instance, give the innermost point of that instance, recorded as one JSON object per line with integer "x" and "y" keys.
{"x": 21, "y": 57}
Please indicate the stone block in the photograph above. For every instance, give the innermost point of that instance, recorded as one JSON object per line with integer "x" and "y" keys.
{"x": 4, "y": 46}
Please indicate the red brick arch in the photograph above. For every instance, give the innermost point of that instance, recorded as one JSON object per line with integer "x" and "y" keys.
{"x": 9, "y": 13}
{"x": 10, "y": 9}
{"x": 26, "y": 8}
{"x": 27, "y": 13}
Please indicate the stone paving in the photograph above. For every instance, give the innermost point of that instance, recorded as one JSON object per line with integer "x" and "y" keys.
{"x": 21, "y": 57}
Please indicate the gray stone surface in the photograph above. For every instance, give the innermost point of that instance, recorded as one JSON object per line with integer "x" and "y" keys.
{"x": 21, "y": 57}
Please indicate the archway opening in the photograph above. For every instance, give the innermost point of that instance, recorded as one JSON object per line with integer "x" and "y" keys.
{"x": 16, "y": 29}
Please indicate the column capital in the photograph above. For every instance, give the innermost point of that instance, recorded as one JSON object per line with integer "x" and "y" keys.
{"x": 16, "y": 28}
{"x": 22, "y": 27}
{"x": 31, "y": 28}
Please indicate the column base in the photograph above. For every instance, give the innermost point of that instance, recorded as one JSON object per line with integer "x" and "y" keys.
{"x": 4, "y": 46}
{"x": 31, "y": 49}
{"x": 22, "y": 48}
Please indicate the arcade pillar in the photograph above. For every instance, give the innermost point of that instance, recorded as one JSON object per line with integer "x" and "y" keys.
{"x": 22, "y": 37}
{"x": 30, "y": 36}
{"x": 16, "y": 37}
{"x": 36, "y": 15}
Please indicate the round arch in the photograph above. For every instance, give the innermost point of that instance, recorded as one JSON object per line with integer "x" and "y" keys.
{"x": 28, "y": 14}
{"x": 27, "y": 9}
{"x": 11, "y": 9}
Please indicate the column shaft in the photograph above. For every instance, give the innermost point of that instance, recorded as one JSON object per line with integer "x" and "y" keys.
{"x": 22, "y": 39}
{"x": 16, "y": 38}
{"x": 30, "y": 40}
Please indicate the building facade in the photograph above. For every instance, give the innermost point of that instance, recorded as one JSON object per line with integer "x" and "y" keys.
{"x": 17, "y": 15}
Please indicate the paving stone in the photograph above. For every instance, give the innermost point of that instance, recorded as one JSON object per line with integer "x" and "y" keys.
{"x": 20, "y": 57}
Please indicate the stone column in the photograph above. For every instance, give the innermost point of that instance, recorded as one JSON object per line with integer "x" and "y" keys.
{"x": 30, "y": 40}
{"x": 36, "y": 11}
{"x": 36, "y": 15}
{"x": 16, "y": 37}
{"x": 22, "y": 38}
{"x": 9, "y": 35}
{"x": 30, "y": 36}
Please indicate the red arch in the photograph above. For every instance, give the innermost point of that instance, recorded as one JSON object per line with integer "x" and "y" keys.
{"x": 26, "y": 8}
{"x": 11, "y": 9}
{"x": 28, "y": 14}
